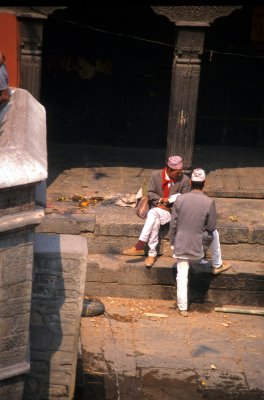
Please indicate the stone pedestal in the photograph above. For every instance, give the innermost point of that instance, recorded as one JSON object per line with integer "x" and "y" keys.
{"x": 23, "y": 163}
{"x": 60, "y": 263}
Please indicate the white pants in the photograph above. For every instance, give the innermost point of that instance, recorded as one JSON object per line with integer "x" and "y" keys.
{"x": 150, "y": 232}
{"x": 216, "y": 250}
{"x": 183, "y": 269}
{"x": 182, "y": 283}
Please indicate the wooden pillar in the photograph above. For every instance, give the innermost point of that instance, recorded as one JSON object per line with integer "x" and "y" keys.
{"x": 184, "y": 93}
{"x": 31, "y": 54}
{"x": 191, "y": 22}
{"x": 28, "y": 57}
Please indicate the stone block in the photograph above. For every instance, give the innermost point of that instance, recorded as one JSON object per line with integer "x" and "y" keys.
{"x": 12, "y": 388}
{"x": 14, "y": 200}
{"x": 60, "y": 263}
{"x": 15, "y": 341}
{"x": 14, "y": 308}
{"x": 73, "y": 224}
{"x": 96, "y": 289}
{"x": 16, "y": 265}
{"x": 17, "y": 291}
{"x": 257, "y": 234}
{"x": 242, "y": 251}
{"x": 232, "y": 232}
{"x": 23, "y": 150}
{"x": 13, "y": 356}
{"x": 14, "y": 324}
{"x": 108, "y": 244}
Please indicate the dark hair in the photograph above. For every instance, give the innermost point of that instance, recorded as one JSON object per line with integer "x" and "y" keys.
{"x": 197, "y": 185}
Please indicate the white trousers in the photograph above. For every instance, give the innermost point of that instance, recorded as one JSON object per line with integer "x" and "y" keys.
{"x": 182, "y": 283}
{"x": 150, "y": 232}
{"x": 216, "y": 250}
{"x": 183, "y": 269}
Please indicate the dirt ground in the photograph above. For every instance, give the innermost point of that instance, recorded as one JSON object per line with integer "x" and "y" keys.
{"x": 143, "y": 349}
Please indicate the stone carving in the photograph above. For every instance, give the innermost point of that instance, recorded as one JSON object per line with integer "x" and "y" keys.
{"x": 194, "y": 15}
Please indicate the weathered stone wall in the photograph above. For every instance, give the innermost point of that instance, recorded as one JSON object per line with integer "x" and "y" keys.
{"x": 109, "y": 230}
{"x": 60, "y": 263}
{"x": 16, "y": 255}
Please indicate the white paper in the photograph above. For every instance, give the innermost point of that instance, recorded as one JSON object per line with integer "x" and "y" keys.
{"x": 173, "y": 197}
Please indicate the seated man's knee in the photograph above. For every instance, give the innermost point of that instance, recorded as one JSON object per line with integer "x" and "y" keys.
{"x": 153, "y": 213}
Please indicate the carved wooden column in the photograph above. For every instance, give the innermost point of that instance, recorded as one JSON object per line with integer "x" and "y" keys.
{"x": 191, "y": 22}
{"x": 31, "y": 21}
{"x": 31, "y": 54}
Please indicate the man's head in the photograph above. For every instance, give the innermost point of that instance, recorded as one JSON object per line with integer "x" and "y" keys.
{"x": 174, "y": 167}
{"x": 198, "y": 178}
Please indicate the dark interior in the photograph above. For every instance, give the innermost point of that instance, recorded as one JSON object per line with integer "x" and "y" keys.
{"x": 106, "y": 76}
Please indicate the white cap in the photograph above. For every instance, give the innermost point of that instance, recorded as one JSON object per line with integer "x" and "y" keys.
{"x": 198, "y": 175}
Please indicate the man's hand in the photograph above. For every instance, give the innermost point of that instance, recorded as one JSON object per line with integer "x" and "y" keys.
{"x": 164, "y": 207}
{"x": 164, "y": 200}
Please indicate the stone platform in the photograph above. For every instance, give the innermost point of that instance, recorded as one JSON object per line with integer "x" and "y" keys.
{"x": 106, "y": 173}
{"x": 109, "y": 228}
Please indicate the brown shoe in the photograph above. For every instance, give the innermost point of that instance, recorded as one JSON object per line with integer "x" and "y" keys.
{"x": 132, "y": 251}
{"x": 150, "y": 261}
{"x": 183, "y": 313}
{"x": 225, "y": 265}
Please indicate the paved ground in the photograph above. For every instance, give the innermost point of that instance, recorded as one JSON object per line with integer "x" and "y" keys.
{"x": 131, "y": 355}
{"x": 142, "y": 350}
{"x": 82, "y": 169}
{"x": 113, "y": 172}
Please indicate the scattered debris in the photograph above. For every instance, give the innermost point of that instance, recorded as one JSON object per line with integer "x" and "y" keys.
{"x": 92, "y": 308}
{"x": 239, "y": 310}
{"x": 62, "y": 198}
{"x": 155, "y": 315}
{"x": 82, "y": 200}
{"x": 76, "y": 197}
{"x": 233, "y": 218}
{"x": 213, "y": 366}
{"x": 84, "y": 203}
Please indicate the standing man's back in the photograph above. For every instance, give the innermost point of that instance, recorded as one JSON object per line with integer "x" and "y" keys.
{"x": 192, "y": 230}
{"x": 197, "y": 220}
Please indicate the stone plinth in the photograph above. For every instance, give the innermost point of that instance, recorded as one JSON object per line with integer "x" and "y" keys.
{"x": 58, "y": 288}
{"x": 23, "y": 163}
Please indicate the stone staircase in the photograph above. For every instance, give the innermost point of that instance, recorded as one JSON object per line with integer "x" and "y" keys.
{"x": 109, "y": 229}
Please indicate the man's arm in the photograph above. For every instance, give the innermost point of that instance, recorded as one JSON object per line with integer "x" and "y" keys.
{"x": 173, "y": 222}
{"x": 153, "y": 194}
{"x": 211, "y": 220}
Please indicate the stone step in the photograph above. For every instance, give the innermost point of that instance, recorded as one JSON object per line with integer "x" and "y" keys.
{"x": 122, "y": 276}
{"x": 109, "y": 229}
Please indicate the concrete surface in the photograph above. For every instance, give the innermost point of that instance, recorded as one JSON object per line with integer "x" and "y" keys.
{"x": 236, "y": 172}
{"x": 143, "y": 349}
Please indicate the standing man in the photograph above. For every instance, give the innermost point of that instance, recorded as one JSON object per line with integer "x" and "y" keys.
{"x": 192, "y": 229}
{"x": 4, "y": 87}
{"x": 163, "y": 188}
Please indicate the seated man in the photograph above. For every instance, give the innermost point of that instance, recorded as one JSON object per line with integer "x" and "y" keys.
{"x": 163, "y": 188}
{"x": 5, "y": 92}
{"x": 192, "y": 229}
